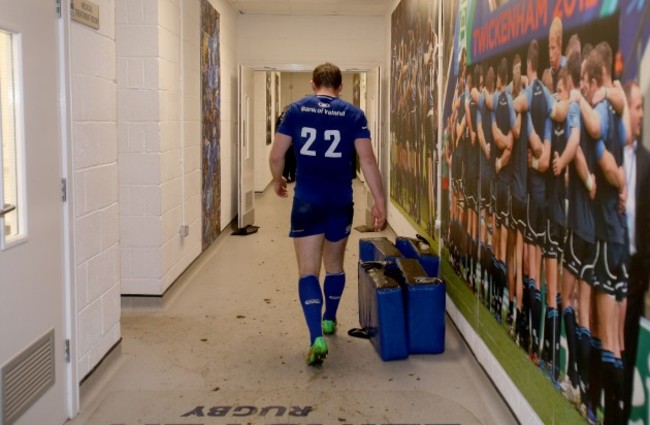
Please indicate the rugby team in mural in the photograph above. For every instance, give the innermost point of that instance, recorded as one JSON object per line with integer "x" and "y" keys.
{"x": 542, "y": 161}
{"x": 541, "y": 203}
{"x": 413, "y": 110}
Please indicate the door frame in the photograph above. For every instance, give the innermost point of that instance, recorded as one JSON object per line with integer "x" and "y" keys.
{"x": 345, "y": 67}
{"x": 69, "y": 281}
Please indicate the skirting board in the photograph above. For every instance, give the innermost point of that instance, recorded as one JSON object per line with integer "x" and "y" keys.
{"x": 518, "y": 404}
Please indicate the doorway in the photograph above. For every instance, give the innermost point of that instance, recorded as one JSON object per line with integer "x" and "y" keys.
{"x": 274, "y": 89}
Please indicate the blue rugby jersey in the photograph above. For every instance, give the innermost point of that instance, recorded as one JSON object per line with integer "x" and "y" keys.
{"x": 540, "y": 103}
{"x": 555, "y": 185}
{"x": 323, "y": 130}
{"x": 555, "y": 75}
{"x": 504, "y": 116}
{"x": 580, "y": 218}
{"x": 519, "y": 161}
{"x": 488, "y": 171}
{"x": 473, "y": 167}
{"x": 610, "y": 223}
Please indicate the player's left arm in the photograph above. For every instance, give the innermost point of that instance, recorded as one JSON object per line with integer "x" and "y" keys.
{"x": 545, "y": 158}
{"x": 590, "y": 118}
{"x": 614, "y": 174}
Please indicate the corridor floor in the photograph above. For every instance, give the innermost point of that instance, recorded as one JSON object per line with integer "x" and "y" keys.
{"x": 226, "y": 346}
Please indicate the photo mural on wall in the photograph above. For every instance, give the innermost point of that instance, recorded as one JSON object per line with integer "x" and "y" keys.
{"x": 545, "y": 221}
{"x": 277, "y": 109}
{"x": 211, "y": 124}
{"x": 269, "y": 107}
{"x": 413, "y": 113}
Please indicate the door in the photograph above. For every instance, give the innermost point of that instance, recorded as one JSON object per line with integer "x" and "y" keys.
{"x": 245, "y": 150}
{"x": 33, "y": 372}
{"x": 373, "y": 104}
{"x": 372, "y": 110}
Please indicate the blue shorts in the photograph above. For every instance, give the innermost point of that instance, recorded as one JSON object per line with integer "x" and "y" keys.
{"x": 517, "y": 215}
{"x": 535, "y": 228}
{"x": 580, "y": 257}
{"x": 334, "y": 221}
{"x": 611, "y": 271}
{"x": 502, "y": 205}
{"x": 554, "y": 242}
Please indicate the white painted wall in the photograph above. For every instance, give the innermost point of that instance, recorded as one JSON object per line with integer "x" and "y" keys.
{"x": 159, "y": 122}
{"x": 135, "y": 95}
{"x": 95, "y": 224}
{"x": 346, "y": 41}
{"x": 276, "y": 41}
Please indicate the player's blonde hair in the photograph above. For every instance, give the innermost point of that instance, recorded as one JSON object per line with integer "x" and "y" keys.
{"x": 555, "y": 32}
{"x": 327, "y": 75}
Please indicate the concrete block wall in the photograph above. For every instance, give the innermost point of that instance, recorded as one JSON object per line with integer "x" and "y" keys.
{"x": 158, "y": 75}
{"x": 140, "y": 141}
{"x": 94, "y": 188}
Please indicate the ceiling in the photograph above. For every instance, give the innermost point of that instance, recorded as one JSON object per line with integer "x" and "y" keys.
{"x": 312, "y": 7}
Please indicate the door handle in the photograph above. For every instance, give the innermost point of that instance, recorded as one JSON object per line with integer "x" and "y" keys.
{"x": 6, "y": 209}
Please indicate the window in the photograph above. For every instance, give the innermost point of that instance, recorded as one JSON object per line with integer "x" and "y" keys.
{"x": 11, "y": 226}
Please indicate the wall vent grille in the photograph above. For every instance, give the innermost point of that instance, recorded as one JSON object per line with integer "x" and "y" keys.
{"x": 26, "y": 378}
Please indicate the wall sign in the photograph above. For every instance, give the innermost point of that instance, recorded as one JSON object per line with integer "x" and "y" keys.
{"x": 85, "y": 12}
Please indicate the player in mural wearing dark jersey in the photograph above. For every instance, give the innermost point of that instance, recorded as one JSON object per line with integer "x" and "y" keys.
{"x": 464, "y": 147}
{"x": 537, "y": 103}
{"x": 613, "y": 93}
{"x": 483, "y": 194}
{"x": 472, "y": 179}
{"x": 488, "y": 192}
{"x": 565, "y": 140}
{"x": 608, "y": 134}
{"x": 580, "y": 248}
{"x": 459, "y": 225}
{"x": 517, "y": 222}
{"x": 503, "y": 119}
{"x": 326, "y": 132}
{"x": 556, "y": 59}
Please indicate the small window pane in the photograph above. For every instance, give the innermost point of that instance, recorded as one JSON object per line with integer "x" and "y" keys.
{"x": 8, "y": 156}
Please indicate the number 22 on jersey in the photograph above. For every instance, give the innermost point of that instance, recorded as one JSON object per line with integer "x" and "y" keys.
{"x": 331, "y": 136}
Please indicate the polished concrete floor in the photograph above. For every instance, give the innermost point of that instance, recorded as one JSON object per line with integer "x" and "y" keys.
{"x": 226, "y": 345}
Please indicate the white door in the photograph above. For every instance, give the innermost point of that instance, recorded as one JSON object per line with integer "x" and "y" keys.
{"x": 373, "y": 104}
{"x": 372, "y": 109}
{"x": 33, "y": 373}
{"x": 245, "y": 150}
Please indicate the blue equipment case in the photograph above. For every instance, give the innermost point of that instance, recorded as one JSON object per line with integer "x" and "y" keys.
{"x": 378, "y": 249}
{"x": 413, "y": 248}
{"x": 425, "y": 304}
{"x": 381, "y": 310}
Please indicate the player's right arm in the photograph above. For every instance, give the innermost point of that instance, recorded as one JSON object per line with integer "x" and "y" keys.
{"x": 281, "y": 144}
{"x": 573, "y": 141}
{"x": 481, "y": 136}
{"x": 587, "y": 178}
{"x": 503, "y": 160}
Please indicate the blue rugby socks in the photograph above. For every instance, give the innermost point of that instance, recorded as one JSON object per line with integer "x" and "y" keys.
{"x": 311, "y": 299}
{"x": 333, "y": 287}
